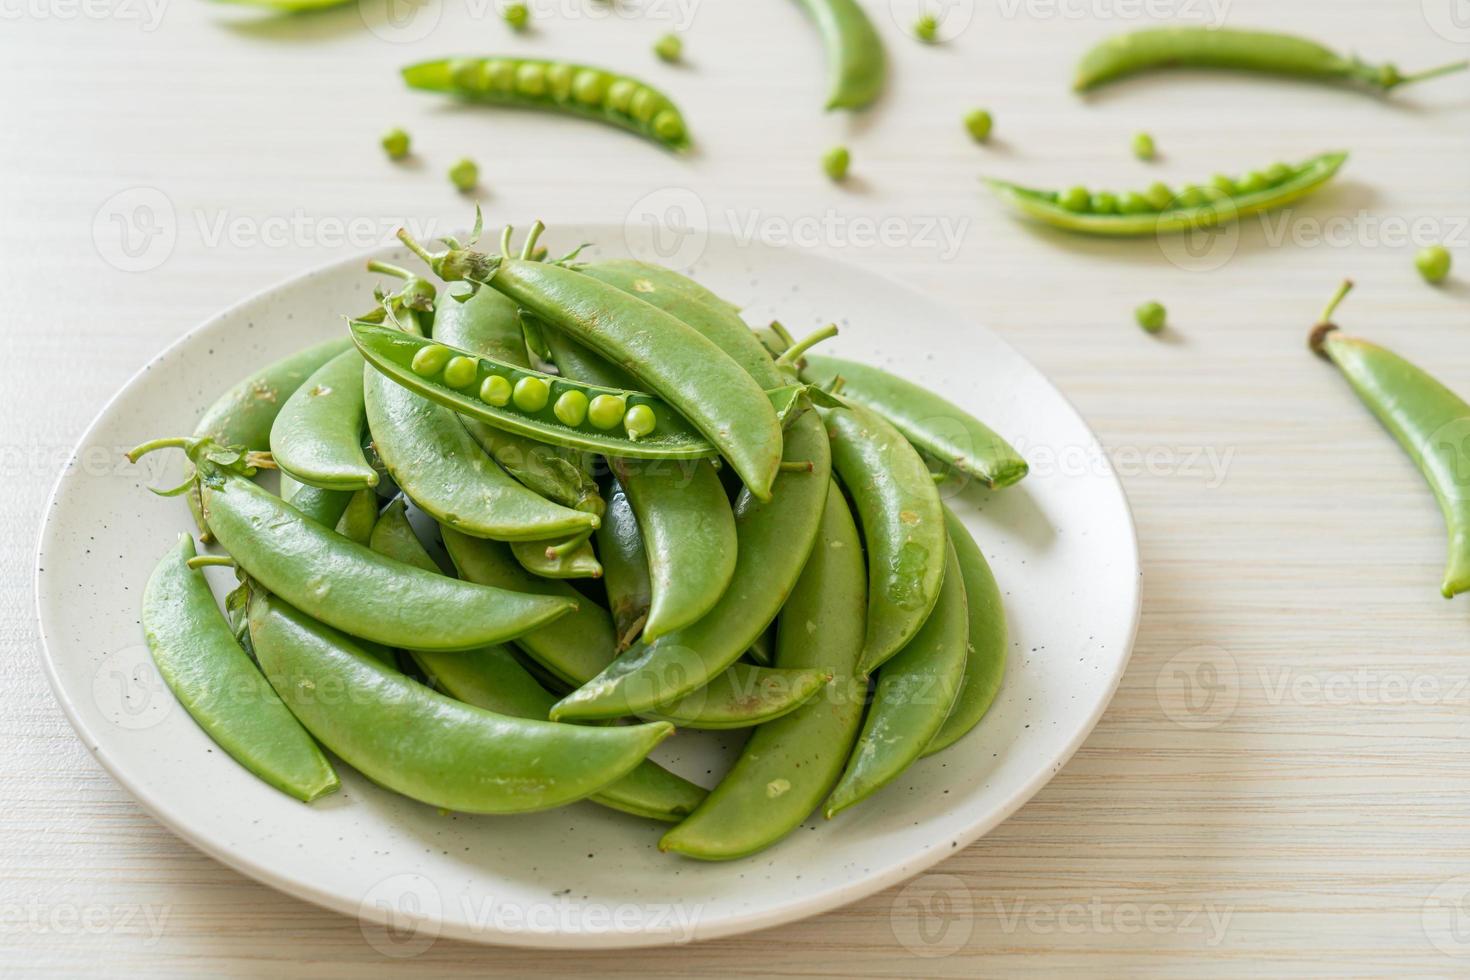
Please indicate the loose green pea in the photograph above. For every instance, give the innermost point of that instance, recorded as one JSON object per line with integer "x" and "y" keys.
{"x": 926, "y": 28}
{"x": 979, "y": 123}
{"x": 571, "y": 408}
{"x": 396, "y": 144}
{"x": 1252, "y": 182}
{"x": 430, "y": 360}
{"x": 465, "y": 175}
{"x": 517, "y": 16}
{"x": 1133, "y": 203}
{"x": 668, "y": 125}
{"x": 1150, "y": 316}
{"x": 1104, "y": 202}
{"x": 495, "y": 390}
{"x": 620, "y": 94}
{"x": 589, "y": 86}
{"x": 460, "y": 371}
{"x": 668, "y": 48}
{"x": 639, "y": 422}
{"x": 836, "y": 161}
{"x": 1433, "y": 263}
{"x": 531, "y": 394}
{"x": 1143, "y": 146}
{"x": 531, "y": 79}
{"x": 559, "y": 80}
{"x": 1158, "y": 195}
{"x": 606, "y": 411}
{"x": 1277, "y": 172}
{"x": 1075, "y": 199}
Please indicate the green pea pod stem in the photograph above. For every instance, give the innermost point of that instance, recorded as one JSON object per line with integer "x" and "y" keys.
{"x": 1430, "y": 422}
{"x": 1193, "y": 208}
{"x": 688, "y": 535}
{"x": 788, "y": 766}
{"x": 326, "y": 507}
{"x": 429, "y": 747}
{"x": 625, "y": 567}
{"x": 492, "y": 678}
{"x": 743, "y": 696}
{"x": 391, "y": 353}
{"x": 570, "y": 558}
{"x": 244, "y": 414}
{"x": 650, "y": 277}
{"x": 915, "y": 691}
{"x": 855, "y": 60}
{"x": 985, "y": 660}
{"x": 1262, "y": 52}
{"x": 773, "y": 541}
{"x": 903, "y": 526}
{"x": 580, "y": 90}
{"x": 359, "y": 516}
{"x": 348, "y": 586}
{"x": 317, "y": 437}
{"x": 213, "y": 678}
{"x": 934, "y": 425}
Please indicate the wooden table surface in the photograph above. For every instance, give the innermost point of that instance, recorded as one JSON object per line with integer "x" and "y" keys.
{"x": 1280, "y": 783}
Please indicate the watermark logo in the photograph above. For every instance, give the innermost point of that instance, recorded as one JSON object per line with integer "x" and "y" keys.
{"x": 933, "y": 916}
{"x": 399, "y": 916}
{"x": 1206, "y": 244}
{"x": 1210, "y": 13}
{"x": 400, "y": 21}
{"x": 1199, "y": 688}
{"x": 135, "y": 230}
{"x": 1450, "y": 19}
{"x": 669, "y": 226}
{"x": 1453, "y": 439}
{"x": 147, "y": 13}
{"x": 953, "y": 16}
{"x": 1446, "y": 917}
{"x": 129, "y": 691}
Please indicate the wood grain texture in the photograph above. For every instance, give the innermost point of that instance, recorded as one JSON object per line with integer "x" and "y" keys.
{"x": 1280, "y": 783}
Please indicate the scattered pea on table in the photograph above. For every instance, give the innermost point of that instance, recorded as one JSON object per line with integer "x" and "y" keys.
{"x": 517, "y": 15}
{"x": 926, "y": 28}
{"x": 396, "y": 144}
{"x": 836, "y": 161}
{"x": 1151, "y": 316}
{"x": 1433, "y": 263}
{"x": 978, "y": 124}
{"x": 465, "y": 175}
{"x": 669, "y": 48}
{"x": 1143, "y": 146}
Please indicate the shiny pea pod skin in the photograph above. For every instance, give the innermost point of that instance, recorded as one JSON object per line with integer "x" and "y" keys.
{"x": 1427, "y": 419}
{"x": 361, "y": 513}
{"x": 915, "y": 691}
{"x": 483, "y": 322}
{"x": 641, "y": 275}
{"x": 592, "y": 93}
{"x": 985, "y": 658}
{"x": 856, "y": 64}
{"x": 1260, "y": 52}
{"x": 317, "y": 437}
{"x": 214, "y": 679}
{"x": 540, "y": 558}
{"x": 1044, "y": 206}
{"x": 326, "y": 507}
{"x": 440, "y": 466}
{"x": 903, "y": 526}
{"x": 491, "y": 678}
{"x": 742, "y": 696}
{"x": 677, "y": 363}
{"x": 625, "y": 567}
{"x": 774, "y": 539}
{"x": 348, "y": 586}
{"x": 789, "y": 766}
{"x": 424, "y": 745}
{"x": 688, "y": 534}
{"x": 576, "y": 360}
{"x": 933, "y": 424}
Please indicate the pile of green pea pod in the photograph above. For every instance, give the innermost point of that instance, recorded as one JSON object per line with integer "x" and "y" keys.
{"x": 650, "y": 517}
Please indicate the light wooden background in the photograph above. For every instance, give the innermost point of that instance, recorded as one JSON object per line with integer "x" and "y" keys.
{"x": 1280, "y": 784}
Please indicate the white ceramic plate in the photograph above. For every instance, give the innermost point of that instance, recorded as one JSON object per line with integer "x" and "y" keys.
{"x": 1061, "y": 543}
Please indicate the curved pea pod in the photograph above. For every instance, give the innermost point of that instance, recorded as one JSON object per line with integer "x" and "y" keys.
{"x": 650, "y": 277}
{"x": 492, "y": 678}
{"x": 317, "y": 437}
{"x": 934, "y": 425}
{"x": 348, "y": 586}
{"x": 788, "y": 766}
{"x": 429, "y": 747}
{"x": 743, "y": 696}
{"x": 572, "y": 558}
{"x": 688, "y": 534}
{"x": 673, "y": 360}
{"x": 903, "y": 526}
{"x": 359, "y": 516}
{"x": 1179, "y": 213}
{"x": 198, "y": 657}
{"x": 855, "y": 60}
{"x": 985, "y": 654}
{"x": 440, "y": 466}
{"x": 579, "y": 90}
{"x": 625, "y": 567}
{"x": 576, "y": 360}
{"x": 326, "y": 507}
{"x": 915, "y": 691}
{"x": 774, "y": 539}
{"x": 244, "y": 414}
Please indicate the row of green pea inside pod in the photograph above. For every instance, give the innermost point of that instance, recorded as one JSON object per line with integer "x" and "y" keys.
{"x": 476, "y": 542}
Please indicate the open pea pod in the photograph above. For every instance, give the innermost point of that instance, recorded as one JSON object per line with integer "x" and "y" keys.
{"x": 672, "y": 437}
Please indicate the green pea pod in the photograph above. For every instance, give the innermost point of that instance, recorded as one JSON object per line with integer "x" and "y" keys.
{"x": 1253, "y": 51}
{"x": 774, "y": 539}
{"x": 431, "y": 748}
{"x": 326, "y": 507}
{"x": 625, "y": 567}
{"x": 916, "y": 690}
{"x": 742, "y": 697}
{"x": 855, "y": 60}
{"x": 1430, "y": 422}
{"x": 317, "y": 438}
{"x": 359, "y": 517}
{"x": 650, "y": 277}
{"x": 484, "y": 322}
{"x": 347, "y": 586}
{"x": 244, "y": 414}
{"x": 491, "y": 678}
{"x": 577, "y": 360}
{"x": 985, "y": 659}
{"x": 1190, "y": 210}
{"x": 198, "y": 657}
{"x": 392, "y": 353}
{"x": 935, "y": 426}
{"x": 688, "y": 535}
{"x": 571, "y": 558}
{"x": 788, "y": 766}
{"x": 903, "y": 526}
{"x": 290, "y": 6}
